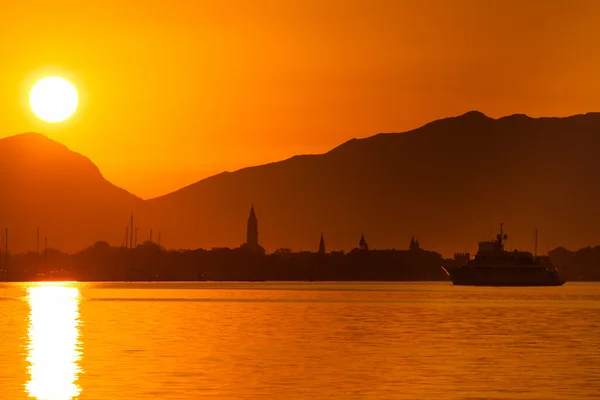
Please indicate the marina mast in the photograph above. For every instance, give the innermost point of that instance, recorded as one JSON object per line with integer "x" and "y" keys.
{"x": 6, "y": 253}
{"x": 46, "y": 255}
{"x": 131, "y": 233}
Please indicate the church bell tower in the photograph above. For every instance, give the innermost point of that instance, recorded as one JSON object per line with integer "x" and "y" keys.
{"x": 252, "y": 232}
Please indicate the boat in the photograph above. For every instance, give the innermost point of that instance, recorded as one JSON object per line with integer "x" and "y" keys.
{"x": 494, "y": 266}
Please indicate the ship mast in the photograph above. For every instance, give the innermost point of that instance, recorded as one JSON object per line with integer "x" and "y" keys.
{"x": 501, "y": 238}
{"x": 536, "y": 240}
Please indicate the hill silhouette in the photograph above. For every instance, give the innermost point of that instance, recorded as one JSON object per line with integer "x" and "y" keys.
{"x": 42, "y": 183}
{"x": 448, "y": 183}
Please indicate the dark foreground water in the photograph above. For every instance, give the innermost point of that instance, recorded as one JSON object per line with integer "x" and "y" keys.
{"x": 298, "y": 341}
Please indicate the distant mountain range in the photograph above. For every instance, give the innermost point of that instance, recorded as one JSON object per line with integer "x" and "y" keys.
{"x": 446, "y": 183}
{"x": 43, "y": 184}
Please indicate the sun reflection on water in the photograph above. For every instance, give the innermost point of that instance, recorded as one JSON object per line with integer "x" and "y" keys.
{"x": 53, "y": 348}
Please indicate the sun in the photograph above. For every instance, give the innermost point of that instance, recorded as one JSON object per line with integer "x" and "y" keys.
{"x": 53, "y": 99}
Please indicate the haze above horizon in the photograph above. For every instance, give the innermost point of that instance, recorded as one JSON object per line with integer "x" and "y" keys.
{"x": 171, "y": 94}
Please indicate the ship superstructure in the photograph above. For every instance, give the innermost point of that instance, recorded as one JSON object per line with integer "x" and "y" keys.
{"x": 494, "y": 266}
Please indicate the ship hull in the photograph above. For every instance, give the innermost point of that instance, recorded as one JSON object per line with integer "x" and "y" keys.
{"x": 503, "y": 277}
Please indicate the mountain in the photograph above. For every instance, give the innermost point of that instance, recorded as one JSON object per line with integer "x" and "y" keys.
{"x": 447, "y": 183}
{"x": 44, "y": 184}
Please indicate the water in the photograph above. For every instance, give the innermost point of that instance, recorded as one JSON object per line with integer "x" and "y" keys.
{"x": 298, "y": 341}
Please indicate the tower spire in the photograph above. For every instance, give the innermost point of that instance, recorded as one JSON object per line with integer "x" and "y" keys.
{"x": 252, "y": 234}
{"x": 363, "y": 243}
{"x": 322, "y": 245}
{"x": 252, "y": 229}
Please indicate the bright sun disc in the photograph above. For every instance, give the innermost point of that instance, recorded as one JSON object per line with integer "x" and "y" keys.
{"x": 53, "y": 99}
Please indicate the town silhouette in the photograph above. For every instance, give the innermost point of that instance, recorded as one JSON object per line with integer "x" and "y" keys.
{"x": 149, "y": 261}
{"x": 315, "y": 199}
{"x": 364, "y": 189}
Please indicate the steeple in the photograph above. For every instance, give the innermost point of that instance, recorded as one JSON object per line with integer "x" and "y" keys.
{"x": 322, "y": 245}
{"x": 414, "y": 244}
{"x": 363, "y": 243}
{"x": 252, "y": 231}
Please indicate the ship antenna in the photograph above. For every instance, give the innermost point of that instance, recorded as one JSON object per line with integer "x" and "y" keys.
{"x": 501, "y": 235}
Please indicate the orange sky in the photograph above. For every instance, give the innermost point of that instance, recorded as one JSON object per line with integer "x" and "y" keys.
{"x": 174, "y": 91}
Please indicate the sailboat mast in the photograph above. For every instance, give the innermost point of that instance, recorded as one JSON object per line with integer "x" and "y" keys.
{"x": 6, "y": 252}
{"x": 131, "y": 233}
{"x": 46, "y": 254}
{"x": 37, "y": 242}
{"x": 536, "y": 238}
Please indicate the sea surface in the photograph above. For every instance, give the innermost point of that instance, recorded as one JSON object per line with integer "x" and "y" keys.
{"x": 313, "y": 341}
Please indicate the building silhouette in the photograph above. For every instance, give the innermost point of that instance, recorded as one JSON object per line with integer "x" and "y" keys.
{"x": 322, "y": 245}
{"x": 362, "y": 245}
{"x": 252, "y": 234}
{"x": 252, "y": 231}
{"x": 414, "y": 244}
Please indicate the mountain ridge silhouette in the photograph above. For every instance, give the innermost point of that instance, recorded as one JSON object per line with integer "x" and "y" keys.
{"x": 420, "y": 182}
{"x": 447, "y": 183}
{"x": 46, "y": 185}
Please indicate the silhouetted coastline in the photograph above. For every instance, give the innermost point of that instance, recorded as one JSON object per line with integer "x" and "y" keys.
{"x": 150, "y": 262}
{"x": 447, "y": 182}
